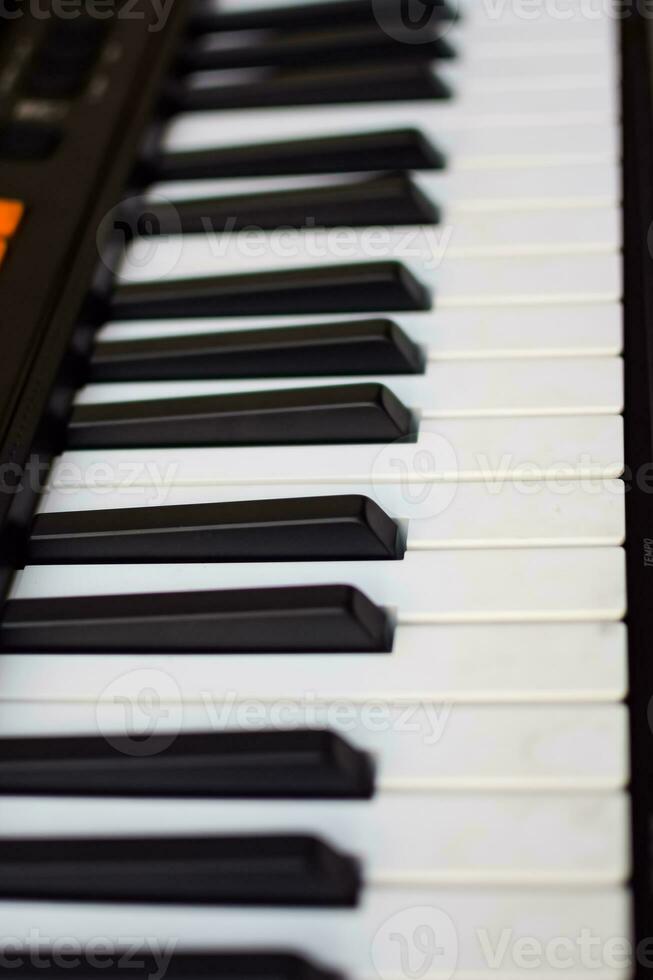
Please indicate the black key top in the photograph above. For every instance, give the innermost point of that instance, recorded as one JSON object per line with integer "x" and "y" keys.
{"x": 128, "y": 963}
{"x": 303, "y": 619}
{"x": 393, "y": 82}
{"x": 391, "y": 200}
{"x": 360, "y": 413}
{"x": 301, "y": 16}
{"x": 399, "y": 149}
{"x": 311, "y": 529}
{"x": 364, "y": 287}
{"x": 330, "y": 45}
{"x": 219, "y": 870}
{"x": 318, "y": 349}
{"x": 299, "y": 764}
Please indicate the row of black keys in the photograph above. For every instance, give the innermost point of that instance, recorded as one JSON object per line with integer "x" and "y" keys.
{"x": 359, "y": 59}
{"x": 310, "y": 619}
{"x": 247, "y": 870}
{"x": 219, "y": 869}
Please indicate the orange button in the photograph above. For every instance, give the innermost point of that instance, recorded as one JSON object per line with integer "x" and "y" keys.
{"x": 11, "y": 215}
{"x": 3, "y": 249}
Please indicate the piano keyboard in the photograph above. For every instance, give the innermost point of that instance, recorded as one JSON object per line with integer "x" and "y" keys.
{"x": 325, "y": 460}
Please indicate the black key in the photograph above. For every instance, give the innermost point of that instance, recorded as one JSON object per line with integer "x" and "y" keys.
{"x": 360, "y": 413}
{"x": 318, "y": 349}
{"x": 127, "y": 963}
{"x": 132, "y": 963}
{"x": 301, "y": 16}
{"x": 302, "y": 619}
{"x": 329, "y": 45}
{"x": 399, "y": 149}
{"x": 299, "y": 764}
{"x": 393, "y": 82}
{"x": 364, "y": 287}
{"x": 218, "y": 870}
{"x": 391, "y": 200}
{"x": 311, "y": 529}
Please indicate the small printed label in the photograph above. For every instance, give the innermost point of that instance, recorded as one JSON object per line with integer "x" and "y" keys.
{"x": 648, "y": 551}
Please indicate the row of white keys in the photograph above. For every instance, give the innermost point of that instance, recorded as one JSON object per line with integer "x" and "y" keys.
{"x": 461, "y": 663}
{"x": 458, "y": 192}
{"x": 528, "y": 331}
{"x": 446, "y": 450}
{"x": 456, "y": 281}
{"x": 439, "y": 838}
{"x": 457, "y": 586}
{"x": 445, "y": 390}
{"x": 418, "y": 746}
{"x": 475, "y": 930}
{"x": 469, "y": 515}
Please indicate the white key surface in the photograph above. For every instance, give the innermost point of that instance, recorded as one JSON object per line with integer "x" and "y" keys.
{"x": 455, "y": 280}
{"x": 595, "y": 185}
{"x": 441, "y": 838}
{"x": 526, "y": 331}
{"x": 474, "y": 515}
{"x": 449, "y": 450}
{"x": 486, "y": 142}
{"x": 488, "y": 662}
{"x": 470, "y": 924}
{"x": 445, "y": 390}
{"x": 416, "y": 747}
{"x": 518, "y": 585}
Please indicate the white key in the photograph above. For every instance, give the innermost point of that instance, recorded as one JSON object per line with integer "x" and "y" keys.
{"x": 448, "y": 450}
{"x": 505, "y": 98}
{"x": 583, "y": 928}
{"x": 475, "y": 515}
{"x": 457, "y": 281}
{"x": 481, "y": 146}
{"x": 417, "y": 747}
{"x": 442, "y": 838}
{"x": 446, "y": 390}
{"x": 596, "y": 186}
{"x": 457, "y": 235}
{"x": 484, "y": 67}
{"x": 508, "y": 585}
{"x": 588, "y": 331}
{"x": 490, "y": 140}
{"x": 543, "y": 662}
